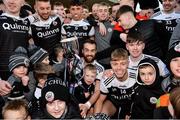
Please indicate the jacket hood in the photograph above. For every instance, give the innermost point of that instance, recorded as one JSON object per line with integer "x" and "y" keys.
{"x": 152, "y": 63}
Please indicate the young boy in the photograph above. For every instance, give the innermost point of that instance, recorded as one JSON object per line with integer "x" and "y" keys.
{"x": 135, "y": 45}
{"x": 36, "y": 55}
{"x": 18, "y": 65}
{"x": 59, "y": 9}
{"x": 57, "y": 103}
{"x": 116, "y": 90}
{"x": 16, "y": 109}
{"x": 86, "y": 88}
{"x": 147, "y": 90}
{"x": 58, "y": 61}
{"x": 41, "y": 71}
{"x": 169, "y": 83}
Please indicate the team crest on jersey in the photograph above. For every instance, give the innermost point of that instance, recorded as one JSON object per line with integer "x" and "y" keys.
{"x": 153, "y": 100}
{"x": 109, "y": 29}
{"x": 15, "y": 19}
{"x": 178, "y": 20}
{"x": 85, "y": 27}
{"x": 159, "y": 21}
{"x": 76, "y": 28}
{"x": 25, "y": 22}
{"x": 54, "y": 23}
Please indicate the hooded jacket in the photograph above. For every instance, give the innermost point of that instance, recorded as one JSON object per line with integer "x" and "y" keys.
{"x": 146, "y": 96}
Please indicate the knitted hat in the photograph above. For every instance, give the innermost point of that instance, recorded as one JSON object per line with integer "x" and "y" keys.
{"x": 54, "y": 89}
{"x": 173, "y": 53}
{"x": 38, "y": 55}
{"x": 18, "y": 58}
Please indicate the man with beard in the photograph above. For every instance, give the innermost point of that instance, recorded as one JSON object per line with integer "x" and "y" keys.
{"x": 46, "y": 28}
{"x": 89, "y": 52}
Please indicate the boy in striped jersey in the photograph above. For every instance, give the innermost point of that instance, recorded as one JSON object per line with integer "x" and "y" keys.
{"x": 135, "y": 45}
{"x": 116, "y": 90}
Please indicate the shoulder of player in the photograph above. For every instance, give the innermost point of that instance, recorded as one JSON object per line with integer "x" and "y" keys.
{"x": 99, "y": 67}
{"x": 155, "y": 15}
{"x": 108, "y": 80}
{"x": 156, "y": 59}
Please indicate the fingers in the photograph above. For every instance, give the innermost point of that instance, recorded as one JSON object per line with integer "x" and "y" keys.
{"x": 5, "y": 88}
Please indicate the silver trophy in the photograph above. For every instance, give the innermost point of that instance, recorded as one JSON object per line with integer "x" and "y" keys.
{"x": 71, "y": 51}
{"x": 70, "y": 46}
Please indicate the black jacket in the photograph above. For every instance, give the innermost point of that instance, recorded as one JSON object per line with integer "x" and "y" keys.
{"x": 151, "y": 32}
{"x": 72, "y": 112}
{"x": 146, "y": 96}
{"x": 80, "y": 91}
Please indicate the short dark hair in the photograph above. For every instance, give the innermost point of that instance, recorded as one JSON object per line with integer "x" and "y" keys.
{"x": 124, "y": 9}
{"x": 57, "y": 3}
{"x": 85, "y": 7}
{"x": 15, "y": 105}
{"x": 75, "y": 3}
{"x": 90, "y": 42}
{"x": 134, "y": 36}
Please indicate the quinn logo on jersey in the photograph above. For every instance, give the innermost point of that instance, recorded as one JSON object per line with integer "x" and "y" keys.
{"x": 14, "y": 26}
{"x": 48, "y": 33}
{"x": 78, "y": 34}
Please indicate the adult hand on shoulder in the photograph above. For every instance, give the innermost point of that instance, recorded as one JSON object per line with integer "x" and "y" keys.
{"x": 5, "y": 88}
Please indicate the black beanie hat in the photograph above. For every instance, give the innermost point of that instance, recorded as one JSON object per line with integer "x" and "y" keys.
{"x": 37, "y": 55}
{"x": 173, "y": 53}
{"x": 19, "y": 57}
{"x": 54, "y": 89}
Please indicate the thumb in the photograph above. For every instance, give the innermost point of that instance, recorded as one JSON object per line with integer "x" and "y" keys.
{"x": 8, "y": 85}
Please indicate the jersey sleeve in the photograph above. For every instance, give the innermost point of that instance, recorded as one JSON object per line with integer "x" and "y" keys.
{"x": 164, "y": 72}
{"x": 92, "y": 31}
{"x": 103, "y": 87}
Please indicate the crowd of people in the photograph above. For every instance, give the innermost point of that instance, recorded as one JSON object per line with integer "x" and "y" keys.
{"x": 107, "y": 62}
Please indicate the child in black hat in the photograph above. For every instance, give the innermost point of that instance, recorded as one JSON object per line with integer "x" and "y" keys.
{"x": 18, "y": 65}
{"x": 41, "y": 71}
{"x": 36, "y": 55}
{"x": 57, "y": 102}
{"x": 169, "y": 83}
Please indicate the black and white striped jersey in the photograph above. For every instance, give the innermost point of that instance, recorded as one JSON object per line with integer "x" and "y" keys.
{"x": 81, "y": 29}
{"x": 14, "y": 32}
{"x": 168, "y": 20}
{"x": 46, "y": 34}
{"x": 118, "y": 92}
